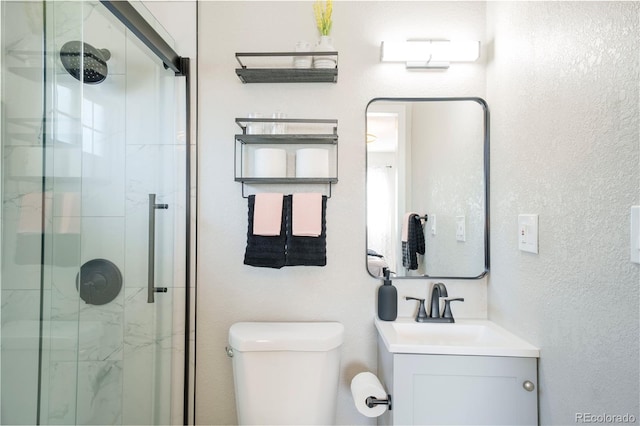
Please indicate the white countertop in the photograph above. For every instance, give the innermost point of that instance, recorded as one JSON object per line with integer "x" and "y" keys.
{"x": 464, "y": 337}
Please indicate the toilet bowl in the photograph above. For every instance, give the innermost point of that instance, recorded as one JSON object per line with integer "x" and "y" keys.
{"x": 286, "y": 372}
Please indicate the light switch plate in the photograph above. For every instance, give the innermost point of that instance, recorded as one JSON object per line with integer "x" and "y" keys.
{"x": 528, "y": 233}
{"x": 432, "y": 219}
{"x": 635, "y": 234}
{"x": 460, "y": 229}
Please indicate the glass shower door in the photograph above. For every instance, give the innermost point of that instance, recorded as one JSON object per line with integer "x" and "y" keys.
{"x": 23, "y": 116}
{"x": 88, "y": 347}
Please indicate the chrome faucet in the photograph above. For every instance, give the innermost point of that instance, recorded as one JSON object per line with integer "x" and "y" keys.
{"x": 439, "y": 290}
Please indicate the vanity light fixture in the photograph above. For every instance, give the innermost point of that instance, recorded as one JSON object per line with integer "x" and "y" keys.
{"x": 429, "y": 54}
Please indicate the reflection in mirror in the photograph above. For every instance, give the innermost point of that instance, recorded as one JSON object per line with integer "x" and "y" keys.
{"x": 427, "y": 174}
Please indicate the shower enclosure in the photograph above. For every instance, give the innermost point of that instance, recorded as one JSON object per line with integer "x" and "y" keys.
{"x": 96, "y": 230}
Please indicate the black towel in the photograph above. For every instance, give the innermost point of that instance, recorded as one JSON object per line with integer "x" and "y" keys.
{"x": 305, "y": 251}
{"x": 415, "y": 243}
{"x": 265, "y": 251}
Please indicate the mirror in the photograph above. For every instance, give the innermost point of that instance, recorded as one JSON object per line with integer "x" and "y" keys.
{"x": 427, "y": 187}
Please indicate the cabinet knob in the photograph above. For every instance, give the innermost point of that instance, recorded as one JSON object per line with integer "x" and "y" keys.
{"x": 528, "y": 386}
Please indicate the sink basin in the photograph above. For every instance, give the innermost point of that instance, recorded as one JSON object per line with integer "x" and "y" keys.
{"x": 464, "y": 337}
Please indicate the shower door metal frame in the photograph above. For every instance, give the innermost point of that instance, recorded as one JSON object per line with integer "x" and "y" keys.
{"x": 131, "y": 18}
{"x": 135, "y": 22}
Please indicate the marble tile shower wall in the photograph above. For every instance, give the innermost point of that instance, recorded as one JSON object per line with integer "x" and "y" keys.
{"x": 110, "y": 149}
{"x": 21, "y": 81}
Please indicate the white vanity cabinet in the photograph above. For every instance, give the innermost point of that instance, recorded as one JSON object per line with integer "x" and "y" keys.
{"x": 458, "y": 389}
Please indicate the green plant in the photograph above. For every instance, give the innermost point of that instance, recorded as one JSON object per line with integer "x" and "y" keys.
{"x": 323, "y": 16}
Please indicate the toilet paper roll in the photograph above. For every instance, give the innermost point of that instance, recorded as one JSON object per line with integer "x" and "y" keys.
{"x": 312, "y": 163}
{"x": 363, "y": 386}
{"x": 270, "y": 162}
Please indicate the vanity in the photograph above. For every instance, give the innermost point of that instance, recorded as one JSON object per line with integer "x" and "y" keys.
{"x": 471, "y": 372}
{"x": 428, "y": 218}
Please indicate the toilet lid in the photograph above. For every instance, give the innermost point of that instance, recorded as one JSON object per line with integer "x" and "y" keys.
{"x": 285, "y": 336}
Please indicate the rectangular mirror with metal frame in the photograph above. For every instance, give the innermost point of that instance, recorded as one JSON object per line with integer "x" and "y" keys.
{"x": 427, "y": 187}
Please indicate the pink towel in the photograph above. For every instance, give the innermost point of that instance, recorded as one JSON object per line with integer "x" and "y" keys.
{"x": 30, "y": 213}
{"x": 307, "y": 214}
{"x": 267, "y": 214}
{"x": 70, "y": 220}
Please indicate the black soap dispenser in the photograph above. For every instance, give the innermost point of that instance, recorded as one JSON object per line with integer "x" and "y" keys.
{"x": 387, "y": 299}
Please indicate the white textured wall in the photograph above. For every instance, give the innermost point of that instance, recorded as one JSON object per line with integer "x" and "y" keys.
{"x": 563, "y": 92}
{"x": 229, "y": 291}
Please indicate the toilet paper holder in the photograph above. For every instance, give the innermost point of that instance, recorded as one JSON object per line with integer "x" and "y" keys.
{"x": 372, "y": 401}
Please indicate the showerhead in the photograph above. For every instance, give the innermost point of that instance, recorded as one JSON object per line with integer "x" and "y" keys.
{"x": 84, "y": 62}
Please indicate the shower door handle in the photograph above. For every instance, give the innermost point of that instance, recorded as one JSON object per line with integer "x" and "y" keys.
{"x": 151, "y": 288}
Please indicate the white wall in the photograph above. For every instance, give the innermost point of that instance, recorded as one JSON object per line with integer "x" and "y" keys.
{"x": 178, "y": 18}
{"x": 229, "y": 291}
{"x": 563, "y": 93}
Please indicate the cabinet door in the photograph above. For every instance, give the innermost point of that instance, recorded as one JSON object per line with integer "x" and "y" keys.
{"x": 464, "y": 390}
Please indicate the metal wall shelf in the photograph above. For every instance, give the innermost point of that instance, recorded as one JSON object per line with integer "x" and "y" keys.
{"x": 289, "y": 140}
{"x": 297, "y": 138}
{"x": 287, "y": 74}
{"x": 311, "y": 139}
{"x": 287, "y": 180}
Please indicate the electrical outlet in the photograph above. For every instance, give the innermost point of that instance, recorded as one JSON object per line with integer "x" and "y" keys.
{"x": 528, "y": 233}
{"x": 460, "y": 229}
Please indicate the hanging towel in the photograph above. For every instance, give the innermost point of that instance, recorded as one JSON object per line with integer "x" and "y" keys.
{"x": 29, "y": 236}
{"x": 264, "y": 251}
{"x": 414, "y": 243}
{"x": 70, "y": 219}
{"x": 31, "y": 205}
{"x": 305, "y": 251}
{"x": 30, "y": 228}
{"x": 307, "y": 214}
{"x": 405, "y": 226}
{"x": 267, "y": 220}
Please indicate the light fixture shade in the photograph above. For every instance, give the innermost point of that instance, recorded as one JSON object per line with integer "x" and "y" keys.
{"x": 426, "y": 51}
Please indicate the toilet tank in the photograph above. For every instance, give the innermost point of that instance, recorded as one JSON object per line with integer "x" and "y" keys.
{"x": 286, "y": 372}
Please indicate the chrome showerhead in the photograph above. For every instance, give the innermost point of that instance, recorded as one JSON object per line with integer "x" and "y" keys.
{"x": 82, "y": 59}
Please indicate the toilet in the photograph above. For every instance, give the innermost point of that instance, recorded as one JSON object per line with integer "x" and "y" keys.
{"x": 286, "y": 372}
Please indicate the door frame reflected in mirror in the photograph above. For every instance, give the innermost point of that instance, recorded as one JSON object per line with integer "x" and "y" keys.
{"x": 485, "y": 165}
